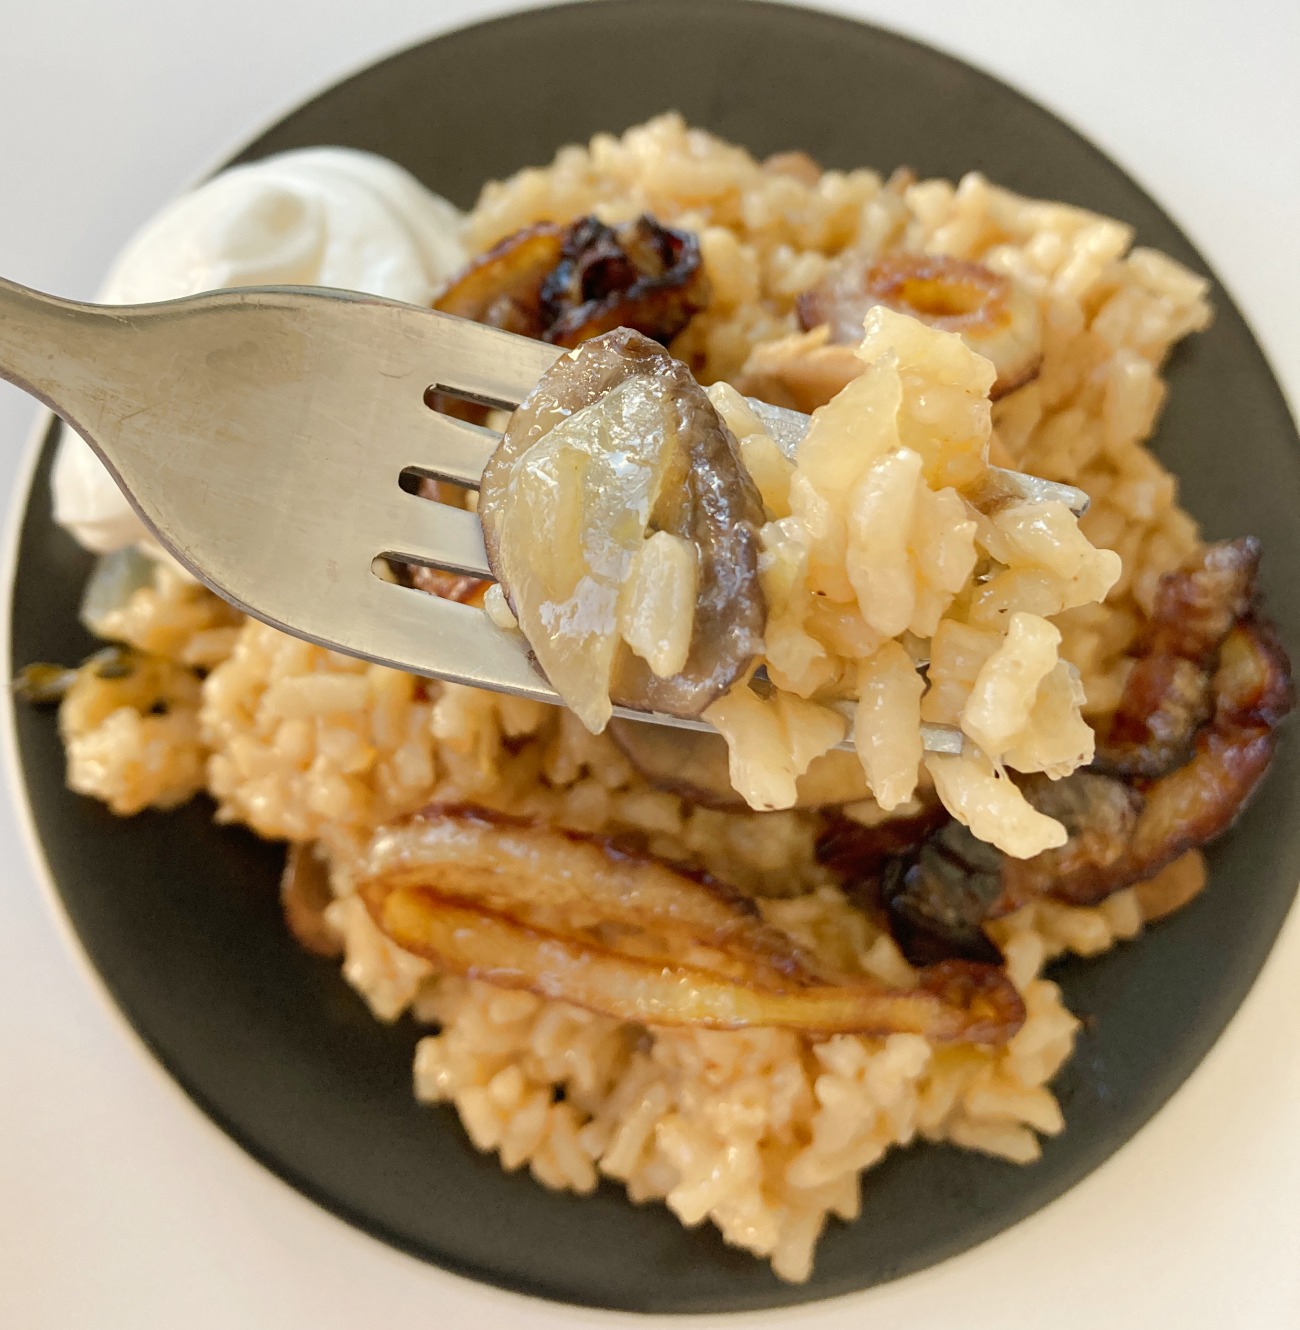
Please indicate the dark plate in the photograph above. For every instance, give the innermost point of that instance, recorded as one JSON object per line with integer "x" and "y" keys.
{"x": 181, "y": 919}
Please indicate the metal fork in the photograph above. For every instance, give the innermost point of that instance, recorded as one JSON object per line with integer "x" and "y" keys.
{"x": 262, "y": 436}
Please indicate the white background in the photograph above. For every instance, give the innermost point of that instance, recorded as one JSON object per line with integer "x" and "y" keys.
{"x": 120, "y": 1206}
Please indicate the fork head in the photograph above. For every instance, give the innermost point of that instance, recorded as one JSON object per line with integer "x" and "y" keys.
{"x": 263, "y": 435}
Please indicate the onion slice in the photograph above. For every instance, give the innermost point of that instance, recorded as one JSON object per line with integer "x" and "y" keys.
{"x": 622, "y": 933}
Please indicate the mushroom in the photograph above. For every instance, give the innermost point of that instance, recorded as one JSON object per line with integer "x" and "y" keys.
{"x": 694, "y": 765}
{"x": 615, "y": 444}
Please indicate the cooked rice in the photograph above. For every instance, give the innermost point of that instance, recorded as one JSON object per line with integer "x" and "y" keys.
{"x": 761, "y": 1132}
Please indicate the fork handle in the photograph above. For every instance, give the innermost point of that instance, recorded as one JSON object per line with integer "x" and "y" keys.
{"x": 57, "y": 350}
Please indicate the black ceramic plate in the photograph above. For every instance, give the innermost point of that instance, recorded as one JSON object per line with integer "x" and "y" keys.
{"x": 181, "y": 918}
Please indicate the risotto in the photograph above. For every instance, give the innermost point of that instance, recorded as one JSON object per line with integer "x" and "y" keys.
{"x": 900, "y": 591}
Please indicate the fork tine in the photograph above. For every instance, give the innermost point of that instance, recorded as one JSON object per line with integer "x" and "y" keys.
{"x": 485, "y": 364}
{"x": 414, "y": 631}
{"x": 456, "y": 450}
{"x": 434, "y": 534}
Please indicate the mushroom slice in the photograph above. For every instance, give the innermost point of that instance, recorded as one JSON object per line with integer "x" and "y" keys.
{"x": 616, "y": 442}
{"x": 580, "y": 920}
{"x": 695, "y": 766}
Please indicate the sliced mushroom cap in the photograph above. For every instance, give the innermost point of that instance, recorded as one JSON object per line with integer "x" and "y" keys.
{"x": 616, "y": 442}
{"x": 694, "y": 766}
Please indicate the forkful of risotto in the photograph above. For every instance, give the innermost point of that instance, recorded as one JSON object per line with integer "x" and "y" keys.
{"x": 861, "y": 577}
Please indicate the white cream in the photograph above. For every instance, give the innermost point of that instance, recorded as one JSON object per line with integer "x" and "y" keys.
{"x": 315, "y": 217}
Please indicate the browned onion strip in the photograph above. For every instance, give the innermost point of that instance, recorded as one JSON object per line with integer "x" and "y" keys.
{"x": 584, "y": 882}
{"x": 1167, "y": 697}
{"x": 564, "y": 284}
{"x": 576, "y": 918}
{"x": 987, "y": 310}
{"x": 503, "y": 287}
{"x": 974, "y": 1004}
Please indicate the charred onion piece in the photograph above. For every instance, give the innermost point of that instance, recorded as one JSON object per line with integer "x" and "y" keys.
{"x": 988, "y": 311}
{"x": 1118, "y": 835}
{"x": 639, "y": 275}
{"x": 566, "y": 284}
{"x": 1197, "y": 802}
{"x": 1209, "y": 692}
{"x": 304, "y": 895}
{"x": 694, "y": 766}
{"x": 1167, "y": 696}
{"x": 853, "y": 849}
{"x": 575, "y": 919}
{"x": 938, "y": 900}
{"x": 503, "y": 287}
{"x": 617, "y": 441}
{"x": 939, "y": 897}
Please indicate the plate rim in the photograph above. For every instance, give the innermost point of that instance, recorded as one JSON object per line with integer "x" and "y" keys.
{"x": 344, "y": 1215}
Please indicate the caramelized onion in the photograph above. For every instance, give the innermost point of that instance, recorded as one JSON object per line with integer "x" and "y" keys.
{"x": 1168, "y": 696}
{"x": 567, "y": 284}
{"x": 1194, "y": 734}
{"x": 577, "y": 919}
{"x": 987, "y": 310}
{"x": 503, "y": 287}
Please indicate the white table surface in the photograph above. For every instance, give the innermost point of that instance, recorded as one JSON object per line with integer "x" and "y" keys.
{"x": 120, "y": 1205}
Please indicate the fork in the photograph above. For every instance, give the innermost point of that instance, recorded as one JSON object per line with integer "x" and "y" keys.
{"x": 263, "y": 434}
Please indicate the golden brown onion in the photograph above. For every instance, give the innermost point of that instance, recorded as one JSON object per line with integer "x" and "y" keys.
{"x": 567, "y": 284}
{"x": 989, "y": 312}
{"x": 503, "y": 287}
{"x": 577, "y": 919}
{"x": 1167, "y": 695}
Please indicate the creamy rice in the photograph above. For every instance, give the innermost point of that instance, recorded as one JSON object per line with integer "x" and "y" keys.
{"x": 761, "y": 1132}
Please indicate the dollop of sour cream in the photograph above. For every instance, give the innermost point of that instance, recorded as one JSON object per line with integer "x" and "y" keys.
{"x": 315, "y": 217}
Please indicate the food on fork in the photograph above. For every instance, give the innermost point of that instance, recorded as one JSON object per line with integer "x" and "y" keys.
{"x": 626, "y": 971}
{"x": 623, "y": 528}
{"x": 657, "y": 546}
